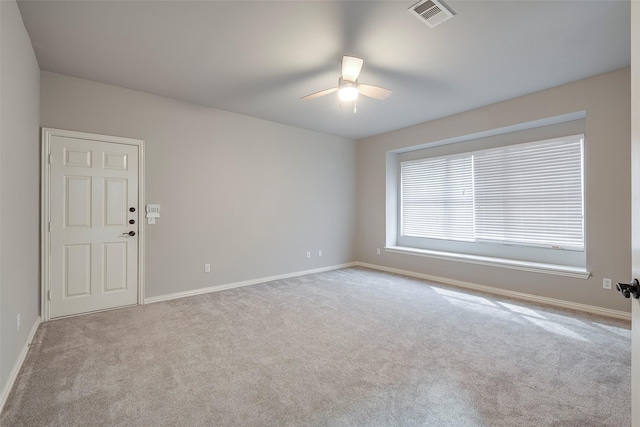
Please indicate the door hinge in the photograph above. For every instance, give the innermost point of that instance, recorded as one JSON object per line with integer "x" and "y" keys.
{"x": 49, "y": 226}
{"x": 49, "y": 158}
{"x": 49, "y": 295}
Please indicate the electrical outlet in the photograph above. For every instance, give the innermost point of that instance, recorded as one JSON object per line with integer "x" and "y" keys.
{"x": 18, "y": 322}
{"x": 378, "y": 251}
{"x": 606, "y": 283}
{"x": 207, "y": 268}
{"x": 308, "y": 254}
{"x": 320, "y": 252}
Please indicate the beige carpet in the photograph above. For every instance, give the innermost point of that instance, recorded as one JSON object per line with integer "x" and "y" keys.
{"x": 351, "y": 347}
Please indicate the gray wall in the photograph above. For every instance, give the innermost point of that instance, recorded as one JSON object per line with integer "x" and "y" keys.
{"x": 19, "y": 187}
{"x": 249, "y": 196}
{"x": 606, "y": 100}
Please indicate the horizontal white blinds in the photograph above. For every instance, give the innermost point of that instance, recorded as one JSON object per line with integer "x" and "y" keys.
{"x": 526, "y": 194}
{"x": 531, "y": 194}
{"x": 437, "y": 198}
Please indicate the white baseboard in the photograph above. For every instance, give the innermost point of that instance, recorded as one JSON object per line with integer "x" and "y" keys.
{"x": 4, "y": 395}
{"x": 504, "y": 292}
{"x": 458, "y": 283}
{"x": 243, "y": 283}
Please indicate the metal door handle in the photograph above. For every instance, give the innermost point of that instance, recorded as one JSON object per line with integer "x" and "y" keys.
{"x": 629, "y": 289}
{"x": 129, "y": 234}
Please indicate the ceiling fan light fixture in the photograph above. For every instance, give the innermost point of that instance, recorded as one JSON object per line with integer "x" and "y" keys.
{"x": 348, "y": 92}
{"x": 348, "y": 87}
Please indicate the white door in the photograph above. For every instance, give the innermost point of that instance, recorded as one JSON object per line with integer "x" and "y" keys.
{"x": 635, "y": 208}
{"x": 94, "y": 218}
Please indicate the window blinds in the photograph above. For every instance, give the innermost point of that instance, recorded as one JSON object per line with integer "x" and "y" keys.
{"x": 437, "y": 198}
{"x": 531, "y": 194}
{"x": 526, "y": 194}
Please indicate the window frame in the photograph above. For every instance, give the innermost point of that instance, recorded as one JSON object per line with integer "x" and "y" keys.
{"x": 570, "y": 257}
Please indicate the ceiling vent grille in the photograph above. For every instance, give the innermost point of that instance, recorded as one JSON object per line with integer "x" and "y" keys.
{"x": 431, "y": 12}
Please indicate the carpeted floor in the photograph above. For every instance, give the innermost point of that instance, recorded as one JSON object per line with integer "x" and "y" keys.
{"x": 350, "y": 347}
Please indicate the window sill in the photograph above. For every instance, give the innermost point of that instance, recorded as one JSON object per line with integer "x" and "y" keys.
{"x": 535, "y": 267}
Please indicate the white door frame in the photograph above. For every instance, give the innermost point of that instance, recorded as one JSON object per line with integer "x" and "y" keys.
{"x": 45, "y": 211}
{"x": 635, "y": 209}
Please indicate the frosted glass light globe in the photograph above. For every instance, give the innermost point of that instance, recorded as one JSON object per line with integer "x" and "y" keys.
{"x": 348, "y": 92}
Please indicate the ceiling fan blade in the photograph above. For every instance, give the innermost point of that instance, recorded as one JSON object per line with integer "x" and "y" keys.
{"x": 351, "y": 67}
{"x": 321, "y": 93}
{"x": 375, "y": 92}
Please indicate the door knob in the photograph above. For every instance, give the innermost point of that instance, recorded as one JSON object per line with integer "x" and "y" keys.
{"x": 131, "y": 233}
{"x": 629, "y": 289}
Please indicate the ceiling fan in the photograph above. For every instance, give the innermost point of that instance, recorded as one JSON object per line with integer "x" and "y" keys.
{"x": 348, "y": 86}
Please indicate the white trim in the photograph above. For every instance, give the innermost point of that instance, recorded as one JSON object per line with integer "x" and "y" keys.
{"x": 13, "y": 375}
{"x": 506, "y": 293}
{"x": 44, "y": 226}
{"x": 519, "y": 127}
{"x": 534, "y": 267}
{"x": 45, "y": 214}
{"x": 201, "y": 291}
{"x": 141, "y": 223}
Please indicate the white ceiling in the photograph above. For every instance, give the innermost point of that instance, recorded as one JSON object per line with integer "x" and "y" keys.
{"x": 258, "y": 58}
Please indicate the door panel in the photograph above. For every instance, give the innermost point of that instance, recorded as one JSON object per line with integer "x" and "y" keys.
{"x": 78, "y": 158}
{"x": 77, "y": 198}
{"x": 76, "y": 279}
{"x": 93, "y": 259}
{"x": 115, "y": 266}
{"x": 117, "y": 161}
{"x": 115, "y": 201}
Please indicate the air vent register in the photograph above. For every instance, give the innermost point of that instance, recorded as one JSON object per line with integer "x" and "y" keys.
{"x": 431, "y": 12}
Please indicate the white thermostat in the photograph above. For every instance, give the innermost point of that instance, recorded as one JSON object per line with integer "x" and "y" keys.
{"x": 153, "y": 212}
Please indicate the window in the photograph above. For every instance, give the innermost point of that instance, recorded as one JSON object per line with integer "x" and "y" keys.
{"x": 437, "y": 198}
{"x": 525, "y": 195}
